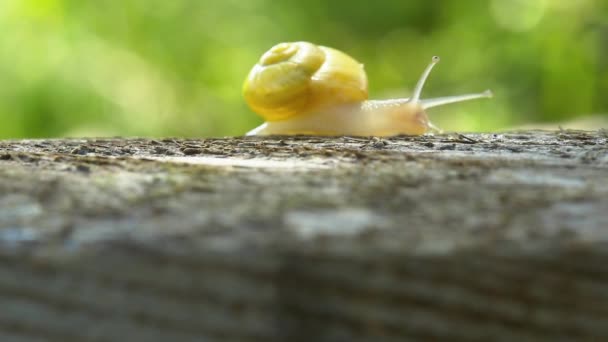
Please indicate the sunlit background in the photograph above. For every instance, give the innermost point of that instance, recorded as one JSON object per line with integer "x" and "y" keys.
{"x": 175, "y": 68}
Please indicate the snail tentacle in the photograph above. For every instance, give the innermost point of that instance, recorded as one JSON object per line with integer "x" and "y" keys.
{"x": 440, "y": 101}
{"x": 418, "y": 89}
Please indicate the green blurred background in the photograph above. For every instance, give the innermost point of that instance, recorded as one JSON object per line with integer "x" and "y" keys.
{"x": 175, "y": 68}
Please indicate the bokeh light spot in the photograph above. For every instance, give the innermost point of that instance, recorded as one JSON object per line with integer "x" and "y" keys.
{"x": 518, "y": 15}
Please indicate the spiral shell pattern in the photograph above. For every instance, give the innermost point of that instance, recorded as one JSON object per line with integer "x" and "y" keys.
{"x": 299, "y": 77}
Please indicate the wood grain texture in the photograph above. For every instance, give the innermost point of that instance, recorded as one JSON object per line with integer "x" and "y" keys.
{"x": 454, "y": 237}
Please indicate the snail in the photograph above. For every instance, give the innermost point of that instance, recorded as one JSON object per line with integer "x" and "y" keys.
{"x": 303, "y": 88}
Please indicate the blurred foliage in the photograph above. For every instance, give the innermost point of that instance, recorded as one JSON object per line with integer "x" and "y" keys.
{"x": 175, "y": 68}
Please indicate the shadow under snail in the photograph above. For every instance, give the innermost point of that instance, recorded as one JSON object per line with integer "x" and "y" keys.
{"x": 302, "y": 88}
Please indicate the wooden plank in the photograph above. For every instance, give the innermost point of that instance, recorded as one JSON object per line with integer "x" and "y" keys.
{"x": 452, "y": 237}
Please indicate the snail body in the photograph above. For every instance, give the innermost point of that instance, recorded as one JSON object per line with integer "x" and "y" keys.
{"x": 302, "y": 88}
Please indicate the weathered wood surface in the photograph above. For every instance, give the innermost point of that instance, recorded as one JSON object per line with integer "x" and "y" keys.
{"x": 448, "y": 237}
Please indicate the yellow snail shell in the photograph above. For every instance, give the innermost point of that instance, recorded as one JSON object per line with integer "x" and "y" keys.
{"x": 302, "y": 88}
